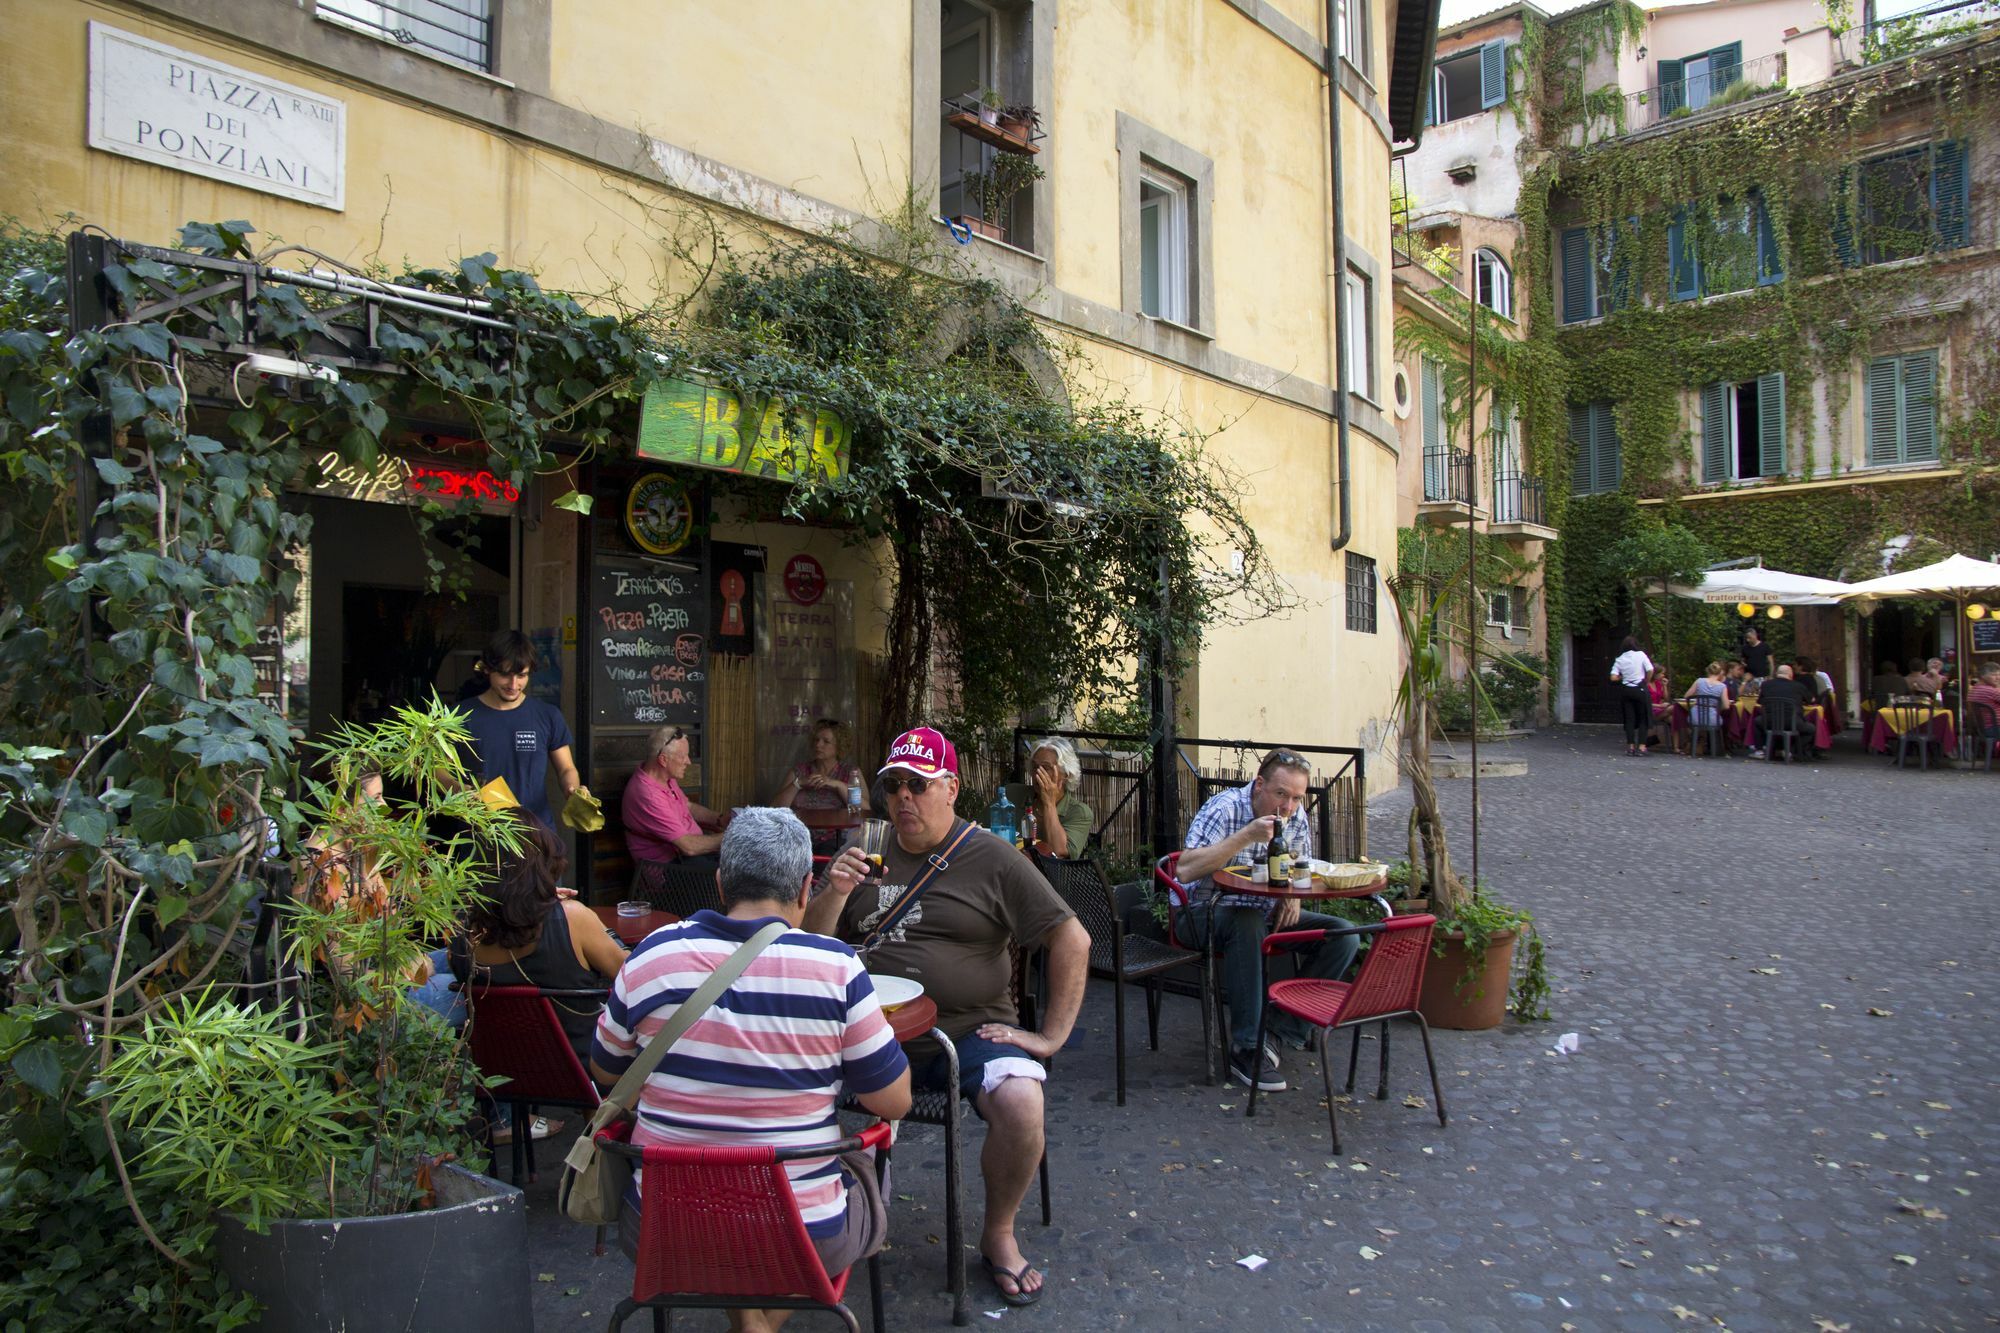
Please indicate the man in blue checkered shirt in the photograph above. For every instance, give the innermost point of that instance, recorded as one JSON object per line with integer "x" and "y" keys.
{"x": 1226, "y": 831}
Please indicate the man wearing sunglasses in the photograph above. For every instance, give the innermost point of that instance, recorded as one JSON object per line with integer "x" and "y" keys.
{"x": 1225, "y": 831}
{"x": 956, "y": 941}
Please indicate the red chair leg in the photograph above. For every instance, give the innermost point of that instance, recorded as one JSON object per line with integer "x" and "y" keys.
{"x": 1437, "y": 1093}
{"x": 1326, "y": 1074}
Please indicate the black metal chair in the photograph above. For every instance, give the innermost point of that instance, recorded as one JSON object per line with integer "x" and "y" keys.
{"x": 1114, "y": 954}
{"x": 1986, "y": 727}
{"x": 1705, "y": 719}
{"x": 669, "y": 886}
{"x": 1781, "y": 723}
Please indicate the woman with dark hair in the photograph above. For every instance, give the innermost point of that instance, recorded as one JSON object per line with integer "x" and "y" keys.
{"x": 525, "y": 933}
{"x": 1629, "y": 673}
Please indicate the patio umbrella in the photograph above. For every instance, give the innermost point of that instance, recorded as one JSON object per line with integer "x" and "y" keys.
{"x": 1951, "y": 578}
{"x": 1773, "y": 587}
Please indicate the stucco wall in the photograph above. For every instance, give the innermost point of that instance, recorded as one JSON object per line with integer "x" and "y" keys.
{"x": 1684, "y": 30}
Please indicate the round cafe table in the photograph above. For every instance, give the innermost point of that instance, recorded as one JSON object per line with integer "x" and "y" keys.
{"x": 913, "y": 1020}
{"x": 1229, "y": 883}
{"x": 608, "y": 914}
{"x": 829, "y": 820}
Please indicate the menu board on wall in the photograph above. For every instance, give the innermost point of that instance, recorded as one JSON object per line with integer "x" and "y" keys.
{"x": 1986, "y": 636}
{"x": 648, "y": 639}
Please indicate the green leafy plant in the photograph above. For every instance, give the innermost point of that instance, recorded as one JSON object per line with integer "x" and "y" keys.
{"x": 993, "y": 187}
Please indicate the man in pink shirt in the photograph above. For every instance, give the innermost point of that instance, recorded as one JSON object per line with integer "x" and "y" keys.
{"x": 661, "y": 823}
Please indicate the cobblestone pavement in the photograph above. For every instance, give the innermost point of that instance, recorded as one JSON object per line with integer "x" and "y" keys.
{"x": 1779, "y": 977}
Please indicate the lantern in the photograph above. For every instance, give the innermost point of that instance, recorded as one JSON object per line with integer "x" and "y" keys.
{"x": 1977, "y": 611}
{"x": 1745, "y": 610}
{"x": 1776, "y": 613}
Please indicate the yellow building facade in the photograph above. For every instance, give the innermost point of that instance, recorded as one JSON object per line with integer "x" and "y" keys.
{"x": 1181, "y": 242}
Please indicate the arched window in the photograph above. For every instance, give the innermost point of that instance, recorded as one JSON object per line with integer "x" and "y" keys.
{"x": 1494, "y": 282}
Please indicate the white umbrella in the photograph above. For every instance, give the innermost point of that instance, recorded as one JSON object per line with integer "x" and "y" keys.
{"x": 1765, "y": 587}
{"x": 1950, "y": 578}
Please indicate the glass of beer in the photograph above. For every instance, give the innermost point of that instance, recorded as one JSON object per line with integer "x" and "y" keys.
{"x": 632, "y": 915}
{"x": 874, "y": 841}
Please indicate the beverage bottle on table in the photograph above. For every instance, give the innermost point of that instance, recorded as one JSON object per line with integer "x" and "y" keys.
{"x": 1000, "y": 817}
{"x": 1278, "y": 855}
{"x": 854, "y": 796}
{"x": 1029, "y": 829}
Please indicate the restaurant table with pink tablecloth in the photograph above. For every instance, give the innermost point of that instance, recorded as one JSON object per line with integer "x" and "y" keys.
{"x": 1885, "y": 724}
{"x": 1739, "y": 723}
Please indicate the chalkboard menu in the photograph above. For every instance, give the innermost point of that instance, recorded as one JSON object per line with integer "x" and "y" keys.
{"x": 1986, "y": 635}
{"x": 648, "y": 644}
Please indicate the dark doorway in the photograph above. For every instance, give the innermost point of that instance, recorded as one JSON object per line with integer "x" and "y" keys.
{"x": 1591, "y": 656}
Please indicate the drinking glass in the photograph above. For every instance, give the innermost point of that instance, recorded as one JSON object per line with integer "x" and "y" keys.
{"x": 874, "y": 841}
{"x": 632, "y": 916}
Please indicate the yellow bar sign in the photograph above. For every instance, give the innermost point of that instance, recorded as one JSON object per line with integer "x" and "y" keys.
{"x": 698, "y": 425}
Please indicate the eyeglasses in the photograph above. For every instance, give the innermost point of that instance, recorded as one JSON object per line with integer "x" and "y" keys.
{"x": 917, "y": 786}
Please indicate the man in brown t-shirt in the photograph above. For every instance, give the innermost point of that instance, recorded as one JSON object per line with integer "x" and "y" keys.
{"x": 955, "y": 940}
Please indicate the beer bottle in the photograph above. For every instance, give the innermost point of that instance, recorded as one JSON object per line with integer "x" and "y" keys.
{"x": 1279, "y": 856}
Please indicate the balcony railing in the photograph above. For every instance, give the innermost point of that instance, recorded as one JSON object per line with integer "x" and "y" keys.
{"x": 1518, "y": 498}
{"x": 460, "y": 31}
{"x": 1724, "y": 85}
{"x": 1447, "y": 475}
{"x": 1888, "y": 38}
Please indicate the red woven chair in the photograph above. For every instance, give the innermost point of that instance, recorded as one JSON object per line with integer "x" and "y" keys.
{"x": 719, "y": 1229}
{"x": 1391, "y": 978}
{"x": 516, "y": 1038}
{"x": 1166, "y": 880}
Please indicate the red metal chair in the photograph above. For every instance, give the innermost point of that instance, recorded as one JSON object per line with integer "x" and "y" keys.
{"x": 516, "y": 1038}
{"x": 719, "y": 1229}
{"x": 1214, "y": 1028}
{"x": 1390, "y": 980}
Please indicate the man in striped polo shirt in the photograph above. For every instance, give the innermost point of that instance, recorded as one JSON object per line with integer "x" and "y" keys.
{"x": 769, "y": 1062}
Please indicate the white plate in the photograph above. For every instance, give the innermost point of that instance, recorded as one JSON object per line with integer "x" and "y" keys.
{"x": 894, "y": 992}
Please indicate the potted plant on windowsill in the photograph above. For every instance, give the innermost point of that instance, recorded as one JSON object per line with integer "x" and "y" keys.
{"x": 324, "y": 1134}
{"x": 1018, "y": 122}
{"x": 992, "y": 189}
{"x": 1472, "y": 979}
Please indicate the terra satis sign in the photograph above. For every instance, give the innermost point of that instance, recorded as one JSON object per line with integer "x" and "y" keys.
{"x": 699, "y": 425}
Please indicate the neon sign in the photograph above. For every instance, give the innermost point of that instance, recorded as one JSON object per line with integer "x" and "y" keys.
{"x": 394, "y": 480}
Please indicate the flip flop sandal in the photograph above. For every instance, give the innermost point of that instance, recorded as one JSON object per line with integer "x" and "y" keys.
{"x": 1020, "y": 1295}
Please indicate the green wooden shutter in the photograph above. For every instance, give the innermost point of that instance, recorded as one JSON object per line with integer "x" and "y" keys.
{"x": 1432, "y": 405}
{"x": 1771, "y": 425}
{"x": 1920, "y": 443}
{"x": 1607, "y": 467}
{"x": 1680, "y": 254}
{"x": 1715, "y": 433}
{"x": 1579, "y": 449}
{"x": 1882, "y": 405}
{"x": 1493, "y": 73}
{"x": 1845, "y": 209}
{"x": 1770, "y": 264}
{"x": 1725, "y": 66}
{"x": 1577, "y": 284}
{"x": 1948, "y": 199}
{"x": 1672, "y": 92}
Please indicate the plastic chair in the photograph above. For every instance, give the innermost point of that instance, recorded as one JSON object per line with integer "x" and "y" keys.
{"x": 1214, "y": 1029}
{"x": 1986, "y": 725}
{"x": 515, "y": 1037}
{"x": 1705, "y": 719}
{"x": 719, "y": 1229}
{"x": 1390, "y": 980}
{"x": 679, "y": 890}
{"x": 1781, "y": 723}
{"x": 1113, "y": 953}
{"x": 1915, "y": 712}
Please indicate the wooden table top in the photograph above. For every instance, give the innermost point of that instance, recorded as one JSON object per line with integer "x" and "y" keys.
{"x": 608, "y": 914}
{"x": 842, "y": 818}
{"x": 1244, "y": 884}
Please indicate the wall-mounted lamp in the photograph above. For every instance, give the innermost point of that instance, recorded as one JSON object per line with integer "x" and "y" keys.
{"x": 1642, "y": 53}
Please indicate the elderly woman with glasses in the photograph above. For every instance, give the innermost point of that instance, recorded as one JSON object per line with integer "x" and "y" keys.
{"x": 1062, "y": 821}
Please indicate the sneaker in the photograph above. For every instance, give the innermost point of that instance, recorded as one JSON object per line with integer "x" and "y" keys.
{"x": 1259, "y": 1070}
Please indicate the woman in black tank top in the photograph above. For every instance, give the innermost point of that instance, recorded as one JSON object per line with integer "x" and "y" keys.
{"x": 523, "y": 936}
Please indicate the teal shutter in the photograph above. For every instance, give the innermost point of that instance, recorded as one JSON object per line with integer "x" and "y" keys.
{"x": 1579, "y": 449}
{"x": 1948, "y": 198}
{"x": 1715, "y": 433}
{"x": 1432, "y": 403}
{"x": 1725, "y": 66}
{"x": 1771, "y": 425}
{"x": 1493, "y": 73}
{"x": 1607, "y": 467}
{"x": 1845, "y": 209}
{"x": 1882, "y": 405}
{"x": 1920, "y": 443}
{"x": 1770, "y": 264}
{"x": 1576, "y": 283}
{"x": 1681, "y": 255}
{"x": 1672, "y": 92}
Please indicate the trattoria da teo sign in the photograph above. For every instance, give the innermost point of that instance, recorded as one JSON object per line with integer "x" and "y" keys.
{"x": 699, "y": 425}
{"x": 181, "y": 110}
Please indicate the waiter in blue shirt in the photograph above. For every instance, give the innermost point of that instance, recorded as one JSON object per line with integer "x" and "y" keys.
{"x": 515, "y": 737}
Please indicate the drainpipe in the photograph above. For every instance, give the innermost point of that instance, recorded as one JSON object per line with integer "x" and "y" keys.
{"x": 1346, "y": 529}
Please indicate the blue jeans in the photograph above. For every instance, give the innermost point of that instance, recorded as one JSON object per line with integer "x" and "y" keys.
{"x": 1239, "y": 939}
{"x": 974, "y": 1054}
{"x": 437, "y": 993}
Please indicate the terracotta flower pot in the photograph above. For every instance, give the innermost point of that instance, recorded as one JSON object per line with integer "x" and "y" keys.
{"x": 1475, "y": 1007}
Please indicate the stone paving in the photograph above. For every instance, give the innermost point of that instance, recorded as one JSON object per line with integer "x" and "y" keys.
{"x": 1786, "y": 1069}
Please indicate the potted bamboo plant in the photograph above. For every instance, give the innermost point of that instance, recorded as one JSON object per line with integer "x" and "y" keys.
{"x": 325, "y": 1134}
{"x": 1473, "y": 979}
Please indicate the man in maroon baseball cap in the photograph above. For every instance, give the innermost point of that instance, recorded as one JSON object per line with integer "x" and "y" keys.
{"x": 954, "y": 937}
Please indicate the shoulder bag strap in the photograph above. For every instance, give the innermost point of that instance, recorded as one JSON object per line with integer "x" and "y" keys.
{"x": 625, "y": 1096}
{"x": 938, "y": 863}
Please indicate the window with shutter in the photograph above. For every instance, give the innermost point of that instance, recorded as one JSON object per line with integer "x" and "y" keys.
{"x": 1681, "y": 256}
{"x": 1579, "y": 446}
{"x": 1846, "y": 209}
{"x": 1493, "y": 73}
{"x": 1882, "y": 406}
{"x": 1771, "y": 425}
{"x": 1518, "y": 605}
{"x": 1607, "y": 465}
{"x": 1671, "y": 92}
{"x": 1770, "y": 264}
{"x": 1725, "y": 66}
{"x": 1920, "y": 443}
{"x": 1715, "y": 433}
{"x": 1579, "y": 287}
{"x": 1949, "y": 205}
